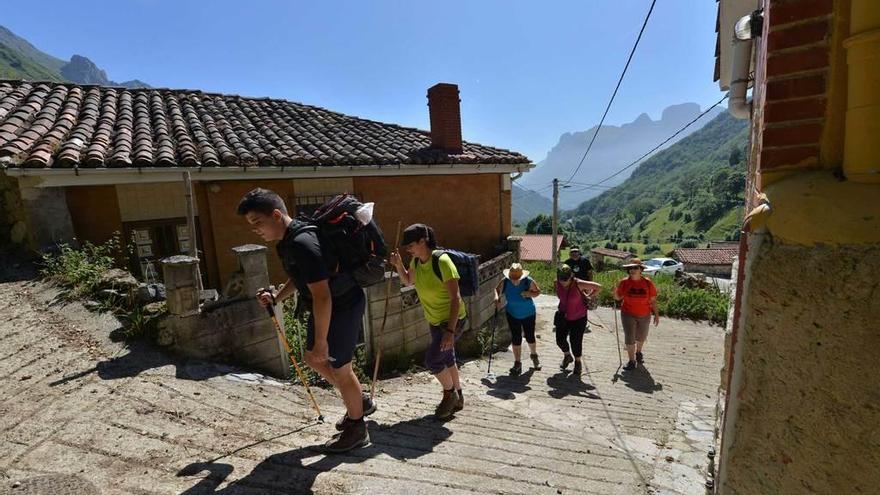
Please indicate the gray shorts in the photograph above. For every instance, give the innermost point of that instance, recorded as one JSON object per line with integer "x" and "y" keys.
{"x": 635, "y": 328}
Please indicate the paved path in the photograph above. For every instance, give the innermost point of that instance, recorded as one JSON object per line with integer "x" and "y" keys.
{"x": 80, "y": 414}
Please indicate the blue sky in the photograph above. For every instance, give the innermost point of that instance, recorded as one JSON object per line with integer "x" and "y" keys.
{"x": 528, "y": 71}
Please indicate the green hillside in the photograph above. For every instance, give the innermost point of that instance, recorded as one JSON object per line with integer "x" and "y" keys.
{"x": 15, "y": 66}
{"x": 689, "y": 192}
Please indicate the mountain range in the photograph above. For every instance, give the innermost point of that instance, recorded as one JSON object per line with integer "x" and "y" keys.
{"x": 19, "y": 59}
{"x": 614, "y": 148}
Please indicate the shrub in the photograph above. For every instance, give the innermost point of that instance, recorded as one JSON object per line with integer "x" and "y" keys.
{"x": 79, "y": 269}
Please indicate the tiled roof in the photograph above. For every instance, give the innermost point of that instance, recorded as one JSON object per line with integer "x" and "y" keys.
{"x": 64, "y": 125}
{"x": 612, "y": 253}
{"x": 538, "y": 247}
{"x": 710, "y": 256}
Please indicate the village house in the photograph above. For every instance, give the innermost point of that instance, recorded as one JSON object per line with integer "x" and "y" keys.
{"x": 712, "y": 261}
{"x": 87, "y": 161}
{"x": 799, "y": 406}
{"x": 600, "y": 257}
{"x": 536, "y": 247}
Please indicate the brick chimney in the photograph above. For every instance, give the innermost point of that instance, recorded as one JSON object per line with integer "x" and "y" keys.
{"x": 443, "y": 105}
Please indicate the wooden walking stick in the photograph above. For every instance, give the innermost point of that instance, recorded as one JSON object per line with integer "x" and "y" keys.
{"x": 299, "y": 373}
{"x": 384, "y": 319}
{"x": 617, "y": 336}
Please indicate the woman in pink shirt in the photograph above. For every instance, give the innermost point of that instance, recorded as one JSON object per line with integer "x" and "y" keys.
{"x": 571, "y": 317}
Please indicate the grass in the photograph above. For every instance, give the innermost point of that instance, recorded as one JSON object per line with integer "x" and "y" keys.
{"x": 672, "y": 300}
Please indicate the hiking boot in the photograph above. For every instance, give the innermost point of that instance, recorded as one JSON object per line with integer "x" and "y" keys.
{"x": 353, "y": 436}
{"x": 516, "y": 370}
{"x": 447, "y": 405}
{"x": 459, "y": 404}
{"x": 566, "y": 361}
{"x": 369, "y": 408}
{"x": 536, "y": 365}
{"x": 640, "y": 358}
{"x": 578, "y": 368}
{"x": 630, "y": 366}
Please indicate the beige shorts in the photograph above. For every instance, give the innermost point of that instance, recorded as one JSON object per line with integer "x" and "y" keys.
{"x": 635, "y": 328}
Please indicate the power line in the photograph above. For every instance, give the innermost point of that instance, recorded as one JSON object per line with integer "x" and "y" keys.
{"x": 670, "y": 138}
{"x": 614, "y": 94}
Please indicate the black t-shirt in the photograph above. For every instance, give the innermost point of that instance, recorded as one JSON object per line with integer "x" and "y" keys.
{"x": 306, "y": 263}
{"x": 581, "y": 267}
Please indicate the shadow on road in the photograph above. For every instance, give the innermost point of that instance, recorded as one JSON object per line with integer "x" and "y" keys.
{"x": 563, "y": 384}
{"x": 506, "y": 387}
{"x": 291, "y": 472}
{"x": 640, "y": 380}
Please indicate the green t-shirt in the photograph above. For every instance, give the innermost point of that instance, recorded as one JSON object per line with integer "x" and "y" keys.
{"x": 432, "y": 291}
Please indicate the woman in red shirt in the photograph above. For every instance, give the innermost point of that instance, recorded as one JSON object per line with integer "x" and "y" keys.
{"x": 639, "y": 296}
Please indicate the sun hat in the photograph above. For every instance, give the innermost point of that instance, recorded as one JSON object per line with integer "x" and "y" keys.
{"x": 634, "y": 263}
{"x": 516, "y": 267}
{"x": 563, "y": 272}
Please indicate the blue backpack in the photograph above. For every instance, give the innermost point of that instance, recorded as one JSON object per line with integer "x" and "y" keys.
{"x": 467, "y": 265}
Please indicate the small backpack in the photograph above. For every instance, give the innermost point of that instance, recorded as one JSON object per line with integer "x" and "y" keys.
{"x": 359, "y": 248}
{"x": 467, "y": 265}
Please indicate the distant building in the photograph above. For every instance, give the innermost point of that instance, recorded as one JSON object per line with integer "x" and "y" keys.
{"x": 598, "y": 257}
{"x": 540, "y": 247}
{"x": 715, "y": 261}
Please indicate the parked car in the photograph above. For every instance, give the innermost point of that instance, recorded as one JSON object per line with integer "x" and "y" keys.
{"x": 663, "y": 265}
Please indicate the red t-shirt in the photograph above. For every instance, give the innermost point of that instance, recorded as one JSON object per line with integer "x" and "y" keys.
{"x": 637, "y": 296}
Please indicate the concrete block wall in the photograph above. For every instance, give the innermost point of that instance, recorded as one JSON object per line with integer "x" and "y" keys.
{"x": 236, "y": 330}
{"x": 406, "y": 331}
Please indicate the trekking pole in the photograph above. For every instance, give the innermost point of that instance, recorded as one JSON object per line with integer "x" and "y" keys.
{"x": 384, "y": 319}
{"x": 489, "y": 375}
{"x": 299, "y": 373}
{"x": 617, "y": 336}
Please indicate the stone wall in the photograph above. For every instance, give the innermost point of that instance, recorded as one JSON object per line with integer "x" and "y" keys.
{"x": 723, "y": 271}
{"x": 807, "y": 409}
{"x": 406, "y": 331}
{"x": 13, "y": 226}
{"x": 236, "y": 329}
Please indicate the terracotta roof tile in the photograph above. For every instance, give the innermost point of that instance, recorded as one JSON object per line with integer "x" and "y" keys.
{"x": 705, "y": 256}
{"x": 538, "y": 247}
{"x": 612, "y": 253}
{"x": 66, "y": 125}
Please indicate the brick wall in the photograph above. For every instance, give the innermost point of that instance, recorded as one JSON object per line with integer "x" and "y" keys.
{"x": 94, "y": 211}
{"x": 793, "y": 80}
{"x": 464, "y": 210}
{"x": 231, "y": 230}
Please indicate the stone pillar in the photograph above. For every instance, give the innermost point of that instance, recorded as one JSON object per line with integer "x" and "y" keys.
{"x": 181, "y": 284}
{"x": 513, "y": 243}
{"x": 253, "y": 267}
{"x": 48, "y": 218}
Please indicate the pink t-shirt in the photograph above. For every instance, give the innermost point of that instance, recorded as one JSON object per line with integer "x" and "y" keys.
{"x": 571, "y": 302}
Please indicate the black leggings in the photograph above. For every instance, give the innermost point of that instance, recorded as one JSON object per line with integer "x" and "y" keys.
{"x": 571, "y": 331}
{"x": 517, "y": 327}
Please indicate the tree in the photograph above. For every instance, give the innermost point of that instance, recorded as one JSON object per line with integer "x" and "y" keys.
{"x": 541, "y": 224}
{"x": 735, "y": 156}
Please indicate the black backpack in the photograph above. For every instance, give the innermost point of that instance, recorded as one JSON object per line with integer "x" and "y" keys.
{"x": 360, "y": 249}
{"x": 467, "y": 265}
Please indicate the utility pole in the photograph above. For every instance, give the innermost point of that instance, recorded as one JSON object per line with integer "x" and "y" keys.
{"x": 555, "y": 255}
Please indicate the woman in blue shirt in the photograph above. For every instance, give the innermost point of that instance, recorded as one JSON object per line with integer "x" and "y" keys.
{"x": 519, "y": 289}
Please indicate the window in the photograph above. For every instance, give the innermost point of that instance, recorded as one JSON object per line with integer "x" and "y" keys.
{"x": 309, "y": 203}
{"x": 154, "y": 240}
{"x": 669, "y": 263}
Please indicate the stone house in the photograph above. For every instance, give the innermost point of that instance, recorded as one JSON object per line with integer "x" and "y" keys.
{"x": 714, "y": 262}
{"x": 599, "y": 257}
{"x": 87, "y": 161}
{"x": 799, "y": 388}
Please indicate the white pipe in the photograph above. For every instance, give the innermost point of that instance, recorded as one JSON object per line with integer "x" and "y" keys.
{"x": 739, "y": 106}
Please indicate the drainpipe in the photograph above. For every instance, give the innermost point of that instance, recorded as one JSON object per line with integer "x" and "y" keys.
{"x": 745, "y": 29}
{"x": 861, "y": 155}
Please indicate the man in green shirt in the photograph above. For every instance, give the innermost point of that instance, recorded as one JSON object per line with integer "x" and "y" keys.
{"x": 443, "y": 306}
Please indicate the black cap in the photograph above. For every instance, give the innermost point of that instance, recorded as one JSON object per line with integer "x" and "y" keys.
{"x": 414, "y": 233}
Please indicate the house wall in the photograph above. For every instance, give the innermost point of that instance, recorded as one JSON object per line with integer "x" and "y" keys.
{"x": 464, "y": 210}
{"x": 801, "y": 412}
{"x": 13, "y": 226}
{"x": 710, "y": 270}
{"x": 230, "y": 230}
{"x": 94, "y": 211}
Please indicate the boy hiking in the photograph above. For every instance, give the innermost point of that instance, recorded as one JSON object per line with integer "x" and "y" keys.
{"x": 335, "y": 300}
{"x": 444, "y": 309}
